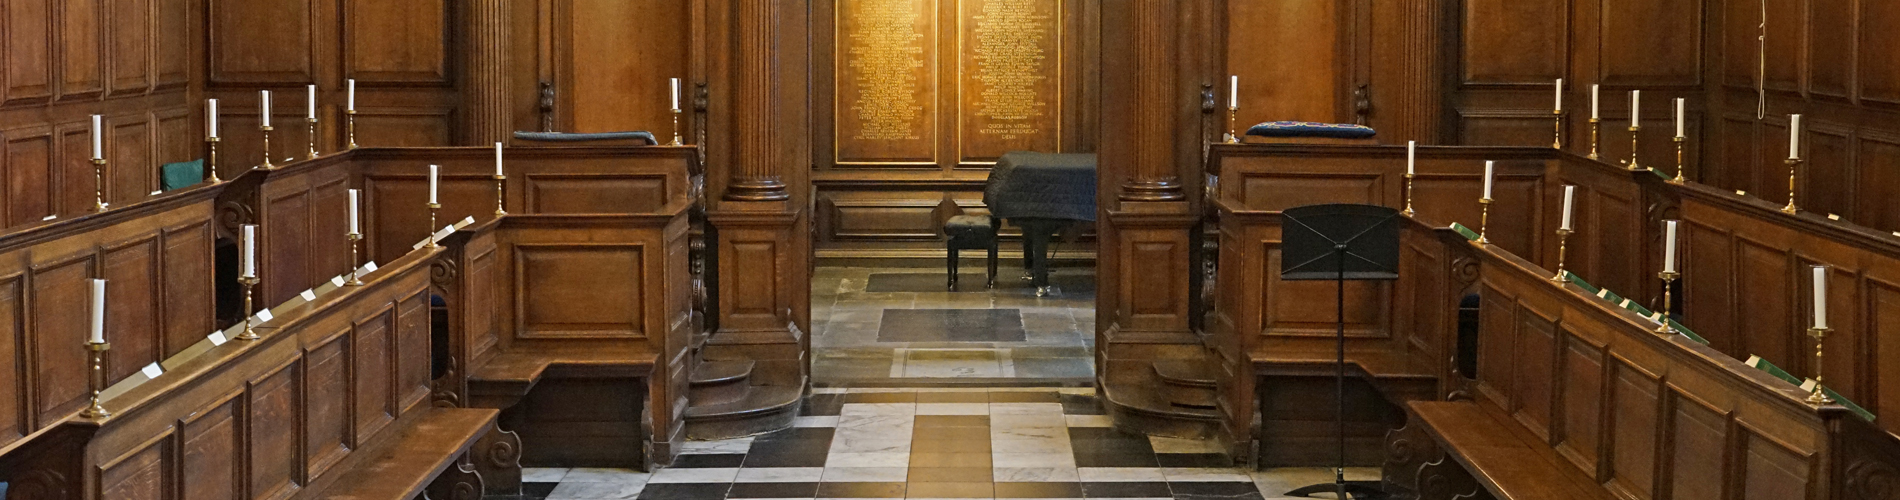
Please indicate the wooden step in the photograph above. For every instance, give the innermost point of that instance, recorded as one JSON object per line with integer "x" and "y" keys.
{"x": 1194, "y": 398}
{"x": 712, "y": 372}
{"x": 719, "y": 382}
{"x": 1183, "y": 372}
{"x": 1146, "y": 408}
{"x": 764, "y": 408}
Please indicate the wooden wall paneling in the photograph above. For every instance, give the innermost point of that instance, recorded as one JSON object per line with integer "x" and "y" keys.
{"x": 413, "y": 341}
{"x": 612, "y": 62}
{"x": 1873, "y": 185}
{"x": 246, "y": 52}
{"x": 1290, "y": 60}
{"x": 30, "y": 159}
{"x": 1650, "y": 44}
{"x": 132, "y": 26}
{"x": 1877, "y": 78}
{"x": 588, "y": 273}
{"x": 327, "y": 400}
{"x": 1514, "y": 42}
{"x": 132, "y": 167}
{"x": 147, "y": 473}
{"x": 176, "y": 138}
{"x": 1699, "y": 448}
{"x": 396, "y": 42}
{"x": 1636, "y": 399}
{"x": 374, "y": 404}
{"x": 1708, "y": 284}
{"x": 30, "y": 30}
{"x": 1829, "y": 49}
{"x": 887, "y": 85}
{"x": 1773, "y": 469}
{"x": 579, "y": 193}
{"x": 174, "y": 42}
{"x": 188, "y": 295}
{"x": 210, "y": 446}
{"x": 15, "y": 391}
{"x": 285, "y": 238}
{"x": 1735, "y": 162}
{"x": 1827, "y": 179}
{"x": 1581, "y": 400}
{"x": 883, "y": 216}
{"x": 1764, "y": 287}
{"x": 404, "y": 126}
{"x": 74, "y": 183}
{"x": 274, "y": 448}
{"x": 1497, "y": 336}
{"x": 1785, "y": 41}
{"x": 1883, "y": 315}
{"x": 58, "y": 324}
{"x": 1535, "y": 375}
{"x": 81, "y": 40}
{"x": 131, "y": 270}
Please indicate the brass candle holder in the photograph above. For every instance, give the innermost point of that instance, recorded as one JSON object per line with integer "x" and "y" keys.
{"x": 1793, "y": 164}
{"x": 1563, "y": 247}
{"x": 96, "y": 379}
{"x": 677, "y": 141}
{"x": 211, "y": 160}
{"x": 312, "y": 153}
{"x": 1668, "y": 279}
{"x": 1233, "y": 116}
{"x": 1819, "y": 396}
{"x": 355, "y": 239}
{"x": 1596, "y": 133}
{"x": 98, "y": 184}
{"x": 349, "y": 126}
{"x": 433, "y": 208}
{"x": 1636, "y": 150}
{"x": 1558, "y": 143}
{"x": 1682, "y": 163}
{"x": 500, "y": 181}
{"x": 1484, "y": 220}
{"x": 1408, "y": 212}
{"x": 267, "y": 164}
{"x": 250, "y": 283}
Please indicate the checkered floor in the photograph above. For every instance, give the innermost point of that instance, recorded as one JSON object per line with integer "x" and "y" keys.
{"x": 939, "y": 443}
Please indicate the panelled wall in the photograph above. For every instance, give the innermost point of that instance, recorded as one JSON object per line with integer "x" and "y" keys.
{"x": 913, "y": 100}
{"x": 1338, "y": 61}
{"x": 129, "y": 60}
{"x": 604, "y": 65}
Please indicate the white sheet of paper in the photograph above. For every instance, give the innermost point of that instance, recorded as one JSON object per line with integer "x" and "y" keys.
{"x": 264, "y": 316}
{"x": 370, "y": 267}
{"x": 51, "y": 217}
{"x": 338, "y": 281}
{"x": 216, "y": 338}
{"x": 1603, "y": 293}
{"x": 152, "y": 370}
{"x": 465, "y": 222}
{"x": 155, "y": 193}
{"x": 308, "y": 295}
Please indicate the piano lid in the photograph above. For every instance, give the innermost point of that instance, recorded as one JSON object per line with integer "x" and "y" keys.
{"x": 1042, "y": 185}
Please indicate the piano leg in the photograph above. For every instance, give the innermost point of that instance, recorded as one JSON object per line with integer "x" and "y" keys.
{"x": 992, "y": 282}
{"x": 953, "y": 268}
{"x": 1029, "y": 252}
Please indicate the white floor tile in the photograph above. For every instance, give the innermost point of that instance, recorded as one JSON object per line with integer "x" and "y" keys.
{"x": 1121, "y": 474}
{"x": 780, "y": 474}
{"x": 1035, "y": 474}
{"x": 543, "y": 475}
{"x": 587, "y": 474}
{"x": 596, "y": 491}
{"x": 709, "y": 475}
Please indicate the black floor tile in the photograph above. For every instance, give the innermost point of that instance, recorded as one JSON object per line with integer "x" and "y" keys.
{"x": 1077, "y": 404}
{"x": 1105, "y": 447}
{"x": 773, "y": 490}
{"x": 1126, "y": 490}
{"x": 951, "y": 325}
{"x": 798, "y": 434}
{"x": 685, "y": 491}
{"x": 822, "y": 405}
{"x": 708, "y": 461}
{"x": 1213, "y": 490}
{"x": 795, "y": 447}
{"x": 537, "y": 489}
{"x": 1194, "y": 460}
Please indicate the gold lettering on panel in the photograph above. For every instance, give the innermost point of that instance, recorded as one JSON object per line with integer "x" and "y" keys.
{"x": 885, "y": 88}
{"x": 1012, "y": 76}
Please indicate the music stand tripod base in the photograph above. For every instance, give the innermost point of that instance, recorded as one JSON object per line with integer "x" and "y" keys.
{"x": 1363, "y": 490}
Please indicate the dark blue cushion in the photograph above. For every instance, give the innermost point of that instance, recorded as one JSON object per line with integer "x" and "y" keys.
{"x": 1312, "y": 129}
{"x": 591, "y": 136}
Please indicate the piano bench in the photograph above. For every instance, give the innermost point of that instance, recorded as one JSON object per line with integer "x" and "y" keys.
{"x": 970, "y": 232}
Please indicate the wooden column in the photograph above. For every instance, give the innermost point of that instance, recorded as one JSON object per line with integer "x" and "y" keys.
{"x": 1156, "y": 96}
{"x": 485, "y": 96}
{"x": 755, "y": 174}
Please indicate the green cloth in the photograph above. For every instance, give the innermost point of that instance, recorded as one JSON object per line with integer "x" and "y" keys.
{"x": 182, "y": 174}
{"x": 1465, "y": 231}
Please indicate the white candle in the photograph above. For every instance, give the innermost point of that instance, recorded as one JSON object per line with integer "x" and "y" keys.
{"x": 355, "y": 217}
{"x": 1682, "y": 117}
{"x": 1794, "y": 137}
{"x": 434, "y": 178}
{"x": 350, "y": 102}
{"x": 1636, "y": 108}
{"x": 1820, "y": 296}
{"x": 1669, "y": 246}
{"x": 98, "y": 312}
{"x": 263, "y": 106}
{"x": 498, "y": 158}
{"x": 248, "y": 247}
{"x": 1570, "y": 200}
{"x": 1596, "y": 102}
{"x": 1411, "y": 157}
{"x": 1489, "y": 168}
{"x": 313, "y": 102}
{"x": 676, "y": 94}
{"x": 98, "y": 138}
{"x": 1560, "y": 94}
{"x": 211, "y": 116}
{"x": 1233, "y": 92}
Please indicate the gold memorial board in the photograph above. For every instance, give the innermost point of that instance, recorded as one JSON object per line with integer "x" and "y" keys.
{"x": 886, "y": 62}
{"x": 1009, "y": 77}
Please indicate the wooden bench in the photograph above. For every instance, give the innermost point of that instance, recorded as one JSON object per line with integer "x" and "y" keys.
{"x": 430, "y": 456}
{"x": 1504, "y": 460}
{"x": 562, "y": 388}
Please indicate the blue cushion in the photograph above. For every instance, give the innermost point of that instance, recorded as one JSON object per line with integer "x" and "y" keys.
{"x": 182, "y": 174}
{"x": 1312, "y": 129}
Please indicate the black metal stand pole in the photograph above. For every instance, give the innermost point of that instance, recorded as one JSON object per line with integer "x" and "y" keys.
{"x": 1339, "y": 474}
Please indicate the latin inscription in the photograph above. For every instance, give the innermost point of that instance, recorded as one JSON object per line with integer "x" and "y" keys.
{"x": 1012, "y": 66}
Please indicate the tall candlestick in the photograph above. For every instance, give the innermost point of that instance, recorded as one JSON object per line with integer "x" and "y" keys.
{"x": 498, "y": 158}
{"x": 349, "y": 114}
{"x": 1596, "y": 102}
{"x": 313, "y": 102}
{"x": 1411, "y": 157}
{"x": 310, "y": 120}
{"x": 355, "y": 217}
{"x": 1636, "y": 108}
{"x": 676, "y": 93}
{"x": 1489, "y": 170}
{"x": 98, "y": 138}
{"x": 434, "y": 182}
{"x": 1560, "y": 94}
{"x": 1557, "y": 125}
{"x": 1669, "y": 246}
{"x": 98, "y": 312}
{"x": 1636, "y": 130}
{"x": 1820, "y": 297}
{"x": 349, "y": 103}
{"x": 247, "y": 246}
{"x": 501, "y": 180}
{"x": 1570, "y": 200}
{"x": 1794, "y": 137}
{"x": 1682, "y": 117}
{"x": 263, "y": 110}
{"x": 1233, "y": 92}
{"x": 211, "y": 141}
{"x": 211, "y": 118}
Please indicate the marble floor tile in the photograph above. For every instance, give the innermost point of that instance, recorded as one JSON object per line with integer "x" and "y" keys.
{"x": 1121, "y": 474}
{"x": 1035, "y": 474}
{"x": 780, "y": 474}
{"x": 716, "y": 475}
{"x": 589, "y": 474}
{"x": 953, "y": 408}
{"x": 866, "y": 474}
{"x": 1031, "y": 460}
{"x": 596, "y": 490}
{"x": 543, "y": 475}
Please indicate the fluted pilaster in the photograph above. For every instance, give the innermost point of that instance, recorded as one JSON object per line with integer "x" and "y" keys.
{"x": 755, "y": 175}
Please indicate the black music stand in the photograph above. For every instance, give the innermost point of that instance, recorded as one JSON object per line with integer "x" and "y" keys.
{"x": 1340, "y": 242}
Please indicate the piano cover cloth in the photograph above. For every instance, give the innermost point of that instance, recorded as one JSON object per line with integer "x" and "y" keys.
{"x": 1042, "y": 185}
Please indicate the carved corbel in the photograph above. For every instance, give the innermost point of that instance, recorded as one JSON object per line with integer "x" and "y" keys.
{"x": 498, "y": 459}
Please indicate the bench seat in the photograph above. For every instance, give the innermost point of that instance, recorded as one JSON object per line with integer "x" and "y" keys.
{"x": 418, "y": 455}
{"x": 514, "y": 372}
{"x": 1506, "y": 460}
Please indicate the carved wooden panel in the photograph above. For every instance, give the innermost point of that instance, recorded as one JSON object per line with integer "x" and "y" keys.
{"x": 144, "y": 474}
{"x": 1773, "y": 470}
{"x": 1650, "y": 43}
{"x": 271, "y": 419}
{"x": 210, "y": 440}
{"x": 1010, "y": 77}
{"x": 396, "y": 41}
{"x": 1581, "y": 409}
{"x": 29, "y": 50}
{"x": 132, "y": 312}
{"x": 82, "y": 62}
{"x": 595, "y": 193}
{"x": 1290, "y": 60}
{"x": 1535, "y": 378}
{"x": 586, "y": 273}
{"x": 242, "y": 50}
{"x": 1700, "y": 450}
{"x": 29, "y": 161}
{"x": 327, "y": 403}
{"x": 612, "y": 61}
{"x": 1634, "y": 429}
{"x": 132, "y": 37}
{"x": 375, "y": 402}
{"x": 412, "y": 343}
{"x": 1515, "y": 41}
{"x": 188, "y": 288}
{"x": 60, "y": 297}
{"x": 13, "y": 391}
{"x": 886, "y": 81}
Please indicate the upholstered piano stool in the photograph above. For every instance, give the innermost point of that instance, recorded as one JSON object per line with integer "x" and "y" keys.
{"x": 970, "y": 232}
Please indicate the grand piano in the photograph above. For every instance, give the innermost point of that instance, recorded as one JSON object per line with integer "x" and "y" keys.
{"x": 1042, "y": 193}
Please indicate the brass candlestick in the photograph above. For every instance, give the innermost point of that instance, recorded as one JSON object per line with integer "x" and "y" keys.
{"x": 1681, "y": 163}
{"x": 676, "y": 128}
{"x": 266, "y": 129}
{"x": 433, "y": 207}
{"x": 312, "y": 154}
{"x": 355, "y": 239}
{"x": 1636, "y": 135}
{"x": 500, "y": 205}
{"x": 1793, "y": 163}
{"x": 1596, "y": 132}
{"x": 1558, "y": 143}
{"x": 1818, "y": 397}
{"x": 211, "y": 160}
{"x": 1668, "y": 278}
{"x": 1233, "y": 116}
{"x": 249, "y": 283}
{"x": 96, "y": 379}
{"x": 1563, "y": 244}
{"x": 1408, "y": 212}
{"x": 98, "y": 184}
{"x": 349, "y": 126}
{"x": 1484, "y": 220}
